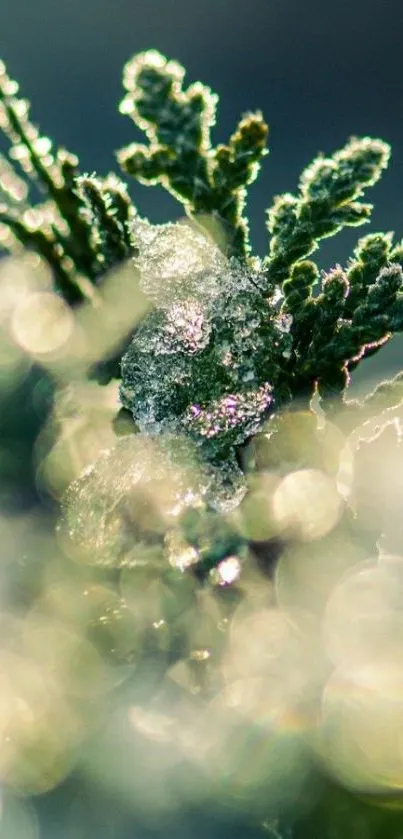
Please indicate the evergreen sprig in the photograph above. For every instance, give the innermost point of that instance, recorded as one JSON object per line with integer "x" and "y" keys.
{"x": 85, "y": 229}
{"x": 88, "y": 225}
{"x": 329, "y": 190}
{"x": 180, "y": 156}
{"x": 185, "y": 520}
{"x": 356, "y": 312}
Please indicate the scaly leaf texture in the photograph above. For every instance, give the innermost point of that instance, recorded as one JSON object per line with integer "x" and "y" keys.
{"x": 180, "y": 156}
{"x": 66, "y": 235}
{"x": 355, "y": 313}
{"x": 86, "y": 226}
{"x": 327, "y": 201}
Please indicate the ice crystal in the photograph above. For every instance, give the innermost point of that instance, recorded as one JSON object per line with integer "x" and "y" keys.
{"x": 178, "y": 262}
{"x": 205, "y": 360}
{"x": 127, "y": 497}
{"x": 225, "y": 415}
{"x": 121, "y": 505}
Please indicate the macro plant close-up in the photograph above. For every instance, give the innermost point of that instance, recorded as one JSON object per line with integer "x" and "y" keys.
{"x": 200, "y": 512}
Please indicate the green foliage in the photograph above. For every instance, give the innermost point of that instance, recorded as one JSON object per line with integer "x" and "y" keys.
{"x": 180, "y": 156}
{"x": 305, "y": 332}
{"x": 83, "y": 228}
{"x": 108, "y": 212}
{"x": 355, "y": 313}
{"x": 232, "y": 475}
{"x": 327, "y": 202}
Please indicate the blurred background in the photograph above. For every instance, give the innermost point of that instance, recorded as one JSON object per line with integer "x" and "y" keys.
{"x": 319, "y": 70}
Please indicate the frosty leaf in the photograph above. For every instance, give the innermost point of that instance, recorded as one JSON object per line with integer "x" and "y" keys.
{"x": 327, "y": 202}
{"x": 13, "y": 190}
{"x": 180, "y": 155}
{"x": 107, "y": 210}
{"x": 370, "y": 256}
{"x": 89, "y": 232}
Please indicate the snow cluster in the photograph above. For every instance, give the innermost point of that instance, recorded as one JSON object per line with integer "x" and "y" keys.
{"x": 119, "y": 508}
{"x": 205, "y": 360}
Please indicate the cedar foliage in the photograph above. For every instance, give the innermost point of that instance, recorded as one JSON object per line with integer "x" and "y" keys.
{"x": 220, "y": 372}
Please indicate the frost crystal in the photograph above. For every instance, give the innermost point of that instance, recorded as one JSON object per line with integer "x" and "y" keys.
{"x": 126, "y": 498}
{"x": 120, "y": 507}
{"x": 177, "y": 262}
{"x": 206, "y": 359}
{"x": 226, "y": 414}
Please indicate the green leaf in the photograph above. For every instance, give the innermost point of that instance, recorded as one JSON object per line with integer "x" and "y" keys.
{"x": 327, "y": 201}
{"x": 180, "y": 156}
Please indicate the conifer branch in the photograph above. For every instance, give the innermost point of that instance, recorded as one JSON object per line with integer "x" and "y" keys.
{"x": 330, "y": 334}
{"x": 37, "y": 239}
{"x": 70, "y": 244}
{"x": 107, "y": 211}
{"x": 90, "y": 227}
{"x": 327, "y": 202}
{"x": 370, "y": 256}
{"x": 180, "y": 156}
{"x": 13, "y": 189}
{"x": 387, "y": 396}
{"x": 217, "y": 351}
